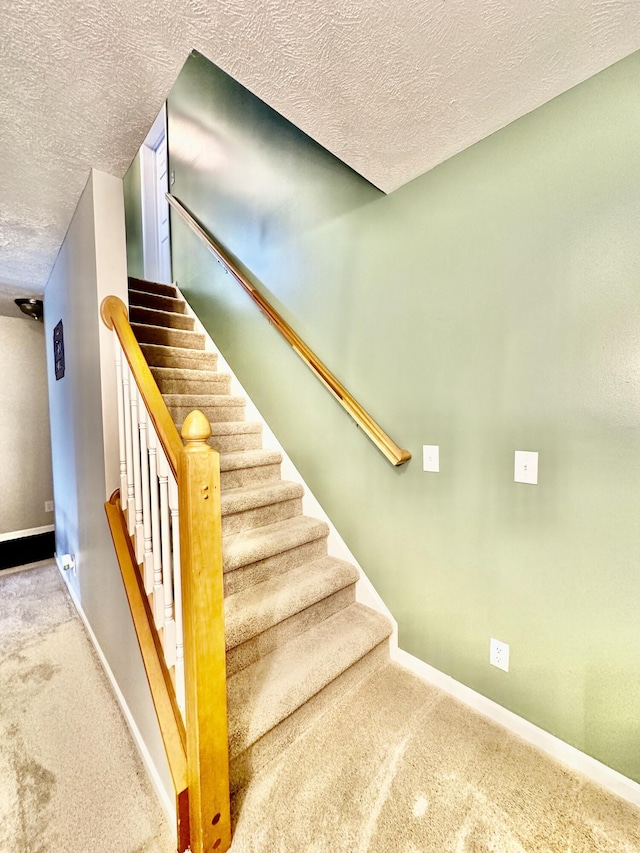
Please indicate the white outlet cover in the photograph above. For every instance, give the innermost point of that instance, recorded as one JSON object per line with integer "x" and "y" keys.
{"x": 48, "y": 506}
{"x": 499, "y": 654}
{"x": 431, "y": 458}
{"x": 525, "y": 468}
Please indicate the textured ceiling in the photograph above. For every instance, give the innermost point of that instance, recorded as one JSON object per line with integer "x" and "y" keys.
{"x": 393, "y": 87}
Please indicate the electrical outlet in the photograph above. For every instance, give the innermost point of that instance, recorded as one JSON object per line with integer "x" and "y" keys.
{"x": 499, "y": 654}
{"x": 48, "y": 506}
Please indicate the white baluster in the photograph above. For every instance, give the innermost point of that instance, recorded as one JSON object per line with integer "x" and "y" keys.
{"x": 121, "y": 429}
{"x": 147, "y": 557}
{"x": 137, "y": 478}
{"x": 130, "y": 503}
{"x": 168, "y": 575}
{"x": 156, "y": 569}
{"x": 177, "y": 590}
{"x": 165, "y": 539}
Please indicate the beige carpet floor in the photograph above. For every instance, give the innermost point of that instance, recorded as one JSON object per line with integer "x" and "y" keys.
{"x": 400, "y": 767}
{"x": 395, "y": 767}
{"x": 71, "y": 780}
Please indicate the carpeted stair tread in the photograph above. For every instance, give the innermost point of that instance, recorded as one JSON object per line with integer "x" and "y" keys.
{"x": 236, "y": 436}
{"x": 145, "y": 286}
{"x": 219, "y": 428}
{"x": 168, "y": 337}
{"x": 249, "y": 459}
{"x": 250, "y": 497}
{"x": 233, "y": 436}
{"x": 159, "y": 355}
{"x": 215, "y": 407}
{"x": 233, "y": 427}
{"x": 156, "y": 317}
{"x": 200, "y": 401}
{"x": 172, "y": 381}
{"x": 258, "y": 505}
{"x": 251, "y": 546}
{"x": 274, "y": 687}
{"x": 260, "y": 607}
{"x": 154, "y": 300}
{"x": 186, "y": 373}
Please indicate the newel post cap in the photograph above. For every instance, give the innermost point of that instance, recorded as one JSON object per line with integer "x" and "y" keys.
{"x": 196, "y": 429}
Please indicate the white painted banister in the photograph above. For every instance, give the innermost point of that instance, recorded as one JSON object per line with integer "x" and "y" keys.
{"x": 165, "y": 540}
{"x": 147, "y": 560}
{"x": 150, "y": 496}
{"x": 121, "y": 434}
{"x": 126, "y": 406}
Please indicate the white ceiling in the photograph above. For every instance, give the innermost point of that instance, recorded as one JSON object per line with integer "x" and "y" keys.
{"x": 393, "y": 87}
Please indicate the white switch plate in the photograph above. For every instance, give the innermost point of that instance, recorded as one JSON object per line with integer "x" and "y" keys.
{"x": 48, "y": 506}
{"x": 431, "y": 458}
{"x": 499, "y": 654}
{"x": 526, "y": 467}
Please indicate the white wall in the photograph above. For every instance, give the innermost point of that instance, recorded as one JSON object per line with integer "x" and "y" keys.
{"x": 25, "y": 470}
{"x": 91, "y": 265}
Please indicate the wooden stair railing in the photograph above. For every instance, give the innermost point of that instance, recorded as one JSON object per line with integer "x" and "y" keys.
{"x": 395, "y": 454}
{"x": 165, "y": 522}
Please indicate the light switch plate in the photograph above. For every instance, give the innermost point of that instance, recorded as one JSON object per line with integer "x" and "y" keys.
{"x": 431, "y": 458}
{"x": 526, "y": 467}
{"x": 48, "y": 506}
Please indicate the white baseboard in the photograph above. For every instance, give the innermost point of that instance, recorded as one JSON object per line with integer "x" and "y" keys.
{"x": 26, "y": 567}
{"x": 167, "y": 804}
{"x": 568, "y": 755}
{"x": 30, "y": 531}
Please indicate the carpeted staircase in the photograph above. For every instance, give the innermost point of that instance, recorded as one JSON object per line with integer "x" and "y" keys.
{"x": 296, "y": 638}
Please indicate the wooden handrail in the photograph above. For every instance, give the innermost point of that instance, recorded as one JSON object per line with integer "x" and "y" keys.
{"x": 115, "y": 316}
{"x": 395, "y": 454}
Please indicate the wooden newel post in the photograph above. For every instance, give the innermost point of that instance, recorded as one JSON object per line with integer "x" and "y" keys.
{"x": 204, "y": 642}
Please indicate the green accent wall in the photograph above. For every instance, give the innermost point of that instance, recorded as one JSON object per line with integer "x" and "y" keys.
{"x": 133, "y": 218}
{"x": 490, "y": 305}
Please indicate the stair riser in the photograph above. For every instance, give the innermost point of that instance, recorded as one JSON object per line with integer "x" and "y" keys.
{"x": 236, "y": 441}
{"x": 159, "y": 303}
{"x": 248, "y": 652}
{"x": 160, "y": 356}
{"x": 243, "y": 766}
{"x": 245, "y": 576}
{"x": 152, "y": 287}
{"x": 249, "y": 476}
{"x": 168, "y": 337}
{"x": 159, "y": 318}
{"x": 260, "y": 516}
{"x": 220, "y": 384}
{"x": 214, "y": 414}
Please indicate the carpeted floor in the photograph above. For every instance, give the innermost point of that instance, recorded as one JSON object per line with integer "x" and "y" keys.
{"x": 71, "y": 780}
{"x": 396, "y": 766}
{"x": 400, "y": 767}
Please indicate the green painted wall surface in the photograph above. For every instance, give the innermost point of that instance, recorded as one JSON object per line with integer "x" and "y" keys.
{"x": 133, "y": 218}
{"x": 491, "y": 305}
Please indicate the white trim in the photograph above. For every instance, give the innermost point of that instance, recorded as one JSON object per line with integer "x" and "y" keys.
{"x": 366, "y": 593}
{"x": 563, "y": 752}
{"x": 31, "y": 531}
{"x": 163, "y": 796}
{"x": 27, "y": 567}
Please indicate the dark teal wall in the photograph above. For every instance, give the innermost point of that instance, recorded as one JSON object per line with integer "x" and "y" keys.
{"x": 491, "y": 305}
{"x": 133, "y": 219}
